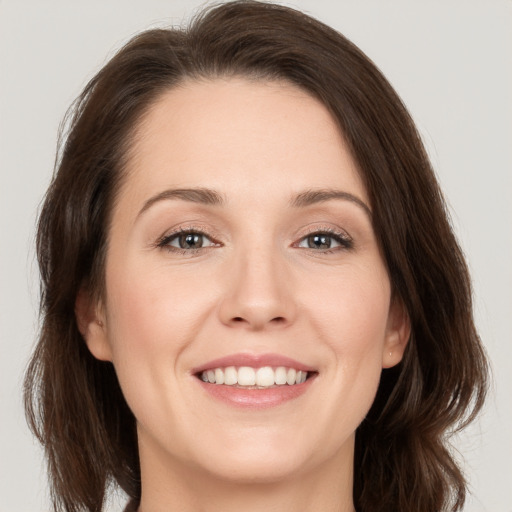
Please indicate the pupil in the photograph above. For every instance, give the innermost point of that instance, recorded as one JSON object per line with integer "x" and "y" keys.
{"x": 190, "y": 241}
{"x": 319, "y": 242}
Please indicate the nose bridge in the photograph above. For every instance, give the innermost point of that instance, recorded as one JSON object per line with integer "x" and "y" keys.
{"x": 259, "y": 294}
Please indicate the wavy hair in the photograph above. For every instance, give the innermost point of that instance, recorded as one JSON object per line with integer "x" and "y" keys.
{"x": 74, "y": 403}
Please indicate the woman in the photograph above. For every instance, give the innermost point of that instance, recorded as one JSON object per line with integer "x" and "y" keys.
{"x": 250, "y": 284}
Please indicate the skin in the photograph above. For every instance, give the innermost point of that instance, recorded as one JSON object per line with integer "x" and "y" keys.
{"x": 254, "y": 287}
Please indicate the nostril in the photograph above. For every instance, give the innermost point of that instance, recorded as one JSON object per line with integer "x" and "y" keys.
{"x": 256, "y": 322}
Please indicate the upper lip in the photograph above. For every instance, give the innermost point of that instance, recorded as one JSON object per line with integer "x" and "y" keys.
{"x": 254, "y": 361}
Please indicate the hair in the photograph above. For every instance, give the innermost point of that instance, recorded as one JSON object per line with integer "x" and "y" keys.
{"x": 74, "y": 404}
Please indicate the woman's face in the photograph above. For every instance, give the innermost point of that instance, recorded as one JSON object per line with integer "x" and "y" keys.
{"x": 241, "y": 249}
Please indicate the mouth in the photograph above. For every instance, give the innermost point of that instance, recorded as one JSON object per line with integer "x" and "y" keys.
{"x": 255, "y": 381}
{"x": 247, "y": 377}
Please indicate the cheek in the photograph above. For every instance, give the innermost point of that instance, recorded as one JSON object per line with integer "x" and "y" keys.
{"x": 152, "y": 316}
{"x": 351, "y": 321}
{"x": 351, "y": 313}
{"x": 153, "y": 310}
{"x": 348, "y": 314}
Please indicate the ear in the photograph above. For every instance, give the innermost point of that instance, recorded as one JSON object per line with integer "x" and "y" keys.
{"x": 398, "y": 332}
{"x": 91, "y": 323}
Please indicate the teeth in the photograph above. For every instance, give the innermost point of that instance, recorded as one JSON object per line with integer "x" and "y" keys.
{"x": 280, "y": 376}
{"x": 263, "y": 377}
{"x": 246, "y": 376}
{"x": 219, "y": 376}
{"x": 230, "y": 376}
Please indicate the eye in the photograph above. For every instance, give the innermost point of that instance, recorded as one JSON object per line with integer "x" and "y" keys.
{"x": 186, "y": 241}
{"x": 324, "y": 241}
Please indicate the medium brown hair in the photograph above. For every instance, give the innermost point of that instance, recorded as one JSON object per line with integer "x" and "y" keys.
{"x": 73, "y": 401}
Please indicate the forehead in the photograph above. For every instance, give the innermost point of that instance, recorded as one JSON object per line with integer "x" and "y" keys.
{"x": 239, "y": 136}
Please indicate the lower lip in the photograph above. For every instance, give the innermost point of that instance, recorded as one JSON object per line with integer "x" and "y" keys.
{"x": 256, "y": 398}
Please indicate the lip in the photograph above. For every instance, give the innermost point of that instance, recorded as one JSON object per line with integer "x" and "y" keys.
{"x": 254, "y": 361}
{"x": 251, "y": 398}
{"x": 256, "y": 398}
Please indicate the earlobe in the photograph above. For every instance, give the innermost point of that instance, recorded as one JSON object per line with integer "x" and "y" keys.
{"x": 92, "y": 325}
{"x": 398, "y": 333}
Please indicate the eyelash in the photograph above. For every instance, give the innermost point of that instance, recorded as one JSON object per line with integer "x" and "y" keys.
{"x": 344, "y": 240}
{"x": 164, "y": 242}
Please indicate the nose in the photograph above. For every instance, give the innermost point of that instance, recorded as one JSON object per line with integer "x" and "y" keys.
{"x": 259, "y": 293}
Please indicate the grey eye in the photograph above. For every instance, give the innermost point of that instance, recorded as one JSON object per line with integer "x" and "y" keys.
{"x": 190, "y": 240}
{"x": 320, "y": 241}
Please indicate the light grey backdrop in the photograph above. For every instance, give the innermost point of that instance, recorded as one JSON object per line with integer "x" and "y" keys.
{"x": 451, "y": 61}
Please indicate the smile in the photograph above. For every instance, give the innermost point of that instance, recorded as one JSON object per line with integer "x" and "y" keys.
{"x": 254, "y": 378}
{"x": 255, "y": 381}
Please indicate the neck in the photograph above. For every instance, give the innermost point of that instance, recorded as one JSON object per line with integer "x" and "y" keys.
{"x": 180, "y": 487}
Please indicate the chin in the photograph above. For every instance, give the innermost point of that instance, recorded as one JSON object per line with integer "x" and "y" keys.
{"x": 242, "y": 469}
{"x": 265, "y": 456}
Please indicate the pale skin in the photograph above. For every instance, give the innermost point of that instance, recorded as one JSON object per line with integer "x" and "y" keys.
{"x": 248, "y": 159}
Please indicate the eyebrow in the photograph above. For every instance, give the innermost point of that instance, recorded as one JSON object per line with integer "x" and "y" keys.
{"x": 211, "y": 197}
{"x": 194, "y": 195}
{"x": 311, "y": 197}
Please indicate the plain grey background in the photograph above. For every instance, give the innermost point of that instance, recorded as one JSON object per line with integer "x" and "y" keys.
{"x": 451, "y": 62}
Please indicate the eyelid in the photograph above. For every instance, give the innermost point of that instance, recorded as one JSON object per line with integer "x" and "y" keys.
{"x": 323, "y": 228}
{"x": 163, "y": 241}
{"x": 341, "y": 235}
{"x": 345, "y": 240}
